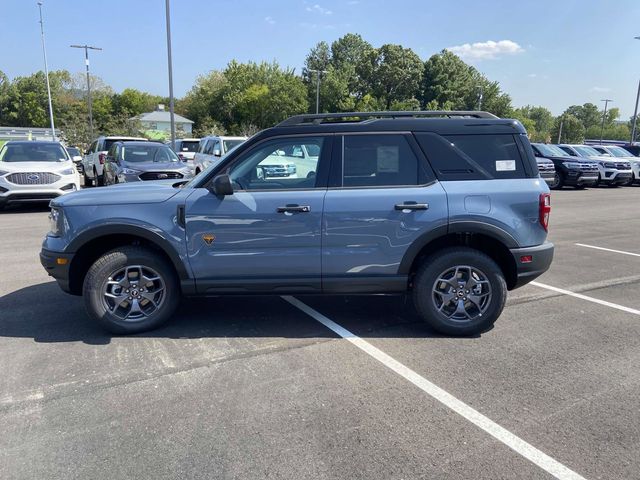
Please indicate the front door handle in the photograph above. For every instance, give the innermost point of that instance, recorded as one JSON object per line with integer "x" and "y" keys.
{"x": 412, "y": 206}
{"x": 294, "y": 209}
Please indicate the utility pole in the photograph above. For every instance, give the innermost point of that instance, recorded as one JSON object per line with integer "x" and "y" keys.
{"x": 480, "y": 95}
{"x": 318, "y": 72}
{"x": 604, "y": 115}
{"x": 171, "y": 102}
{"x": 86, "y": 62}
{"x": 560, "y": 130}
{"x": 635, "y": 111}
{"x": 46, "y": 73}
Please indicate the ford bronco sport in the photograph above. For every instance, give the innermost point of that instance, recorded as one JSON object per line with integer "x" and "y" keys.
{"x": 447, "y": 207}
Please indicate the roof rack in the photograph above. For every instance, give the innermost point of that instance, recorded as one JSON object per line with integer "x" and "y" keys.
{"x": 319, "y": 118}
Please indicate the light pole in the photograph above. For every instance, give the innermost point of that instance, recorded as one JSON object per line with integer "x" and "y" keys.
{"x": 46, "y": 73}
{"x": 318, "y": 72}
{"x": 86, "y": 62}
{"x": 635, "y": 111}
{"x": 171, "y": 114}
{"x": 604, "y": 115}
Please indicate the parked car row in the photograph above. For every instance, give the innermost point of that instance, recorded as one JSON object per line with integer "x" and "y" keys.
{"x": 580, "y": 166}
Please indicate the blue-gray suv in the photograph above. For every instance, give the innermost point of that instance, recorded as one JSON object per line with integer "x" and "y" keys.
{"x": 447, "y": 207}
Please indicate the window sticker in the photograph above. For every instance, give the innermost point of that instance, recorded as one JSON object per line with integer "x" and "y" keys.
{"x": 388, "y": 159}
{"x": 505, "y": 165}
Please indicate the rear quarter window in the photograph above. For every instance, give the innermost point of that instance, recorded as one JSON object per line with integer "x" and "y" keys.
{"x": 473, "y": 157}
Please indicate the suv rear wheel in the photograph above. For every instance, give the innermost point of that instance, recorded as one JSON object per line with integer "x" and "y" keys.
{"x": 558, "y": 181}
{"x": 459, "y": 291}
{"x": 130, "y": 290}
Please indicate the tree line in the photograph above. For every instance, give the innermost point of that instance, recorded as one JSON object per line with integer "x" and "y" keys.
{"x": 247, "y": 97}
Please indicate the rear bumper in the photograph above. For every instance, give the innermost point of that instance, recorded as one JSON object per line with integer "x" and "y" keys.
{"x": 57, "y": 266}
{"x": 541, "y": 258}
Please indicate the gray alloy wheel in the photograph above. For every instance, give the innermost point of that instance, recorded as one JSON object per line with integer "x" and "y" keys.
{"x": 131, "y": 289}
{"x": 557, "y": 182}
{"x": 462, "y": 293}
{"x": 133, "y": 293}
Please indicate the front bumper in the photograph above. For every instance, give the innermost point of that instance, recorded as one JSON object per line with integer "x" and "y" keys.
{"x": 57, "y": 266}
{"x": 580, "y": 177}
{"x": 616, "y": 177}
{"x": 541, "y": 258}
{"x": 12, "y": 192}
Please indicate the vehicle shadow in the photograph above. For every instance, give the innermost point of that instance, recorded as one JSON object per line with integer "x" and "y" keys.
{"x": 45, "y": 314}
{"x": 31, "y": 207}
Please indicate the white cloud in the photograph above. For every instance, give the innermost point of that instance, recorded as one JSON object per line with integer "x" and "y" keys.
{"x": 537, "y": 75}
{"x": 318, "y": 9}
{"x": 488, "y": 50}
{"x": 269, "y": 20}
{"x": 600, "y": 89}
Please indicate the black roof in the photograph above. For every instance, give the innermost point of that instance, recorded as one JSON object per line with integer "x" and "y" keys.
{"x": 441, "y": 122}
{"x": 140, "y": 143}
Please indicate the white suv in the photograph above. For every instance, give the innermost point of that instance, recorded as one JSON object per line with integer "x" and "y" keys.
{"x": 611, "y": 171}
{"x": 212, "y": 149}
{"x": 622, "y": 154}
{"x": 35, "y": 171}
{"x": 93, "y": 161}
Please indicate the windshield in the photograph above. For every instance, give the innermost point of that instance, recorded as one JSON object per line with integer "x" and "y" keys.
{"x": 618, "y": 152}
{"x": 229, "y": 144}
{"x": 587, "y": 151}
{"x": 191, "y": 146}
{"x": 551, "y": 150}
{"x": 148, "y": 154}
{"x": 33, "y": 152}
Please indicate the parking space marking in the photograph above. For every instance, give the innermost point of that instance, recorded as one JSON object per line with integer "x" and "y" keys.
{"x": 512, "y": 441}
{"x": 587, "y": 298}
{"x": 608, "y": 249}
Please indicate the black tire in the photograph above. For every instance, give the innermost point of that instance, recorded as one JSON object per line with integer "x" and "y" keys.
{"x": 107, "y": 266}
{"x": 99, "y": 179}
{"x": 579, "y": 187}
{"x": 88, "y": 182}
{"x": 426, "y": 280}
{"x": 631, "y": 181}
{"x": 597, "y": 182}
{"x": 558, "y": 181}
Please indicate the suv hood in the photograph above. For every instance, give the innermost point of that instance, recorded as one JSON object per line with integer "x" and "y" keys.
{"x": 572, "y": 159}
{"x": 52, "y": 167}
{"x": 124, "y": 193}
{"x": 155, "y": 166}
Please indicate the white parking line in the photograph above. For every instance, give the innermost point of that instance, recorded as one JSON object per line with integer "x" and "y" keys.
{"x": 587, "y": 298}
{"x": 525, "y": 449}
{"x": 608, "y": 249}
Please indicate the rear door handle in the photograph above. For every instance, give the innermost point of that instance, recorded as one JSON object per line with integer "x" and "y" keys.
{"x": 294, "y": 209}
{"x": 412, "y": 206}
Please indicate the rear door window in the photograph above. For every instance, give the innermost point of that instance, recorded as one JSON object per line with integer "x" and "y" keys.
{"x": 379, "y": 161}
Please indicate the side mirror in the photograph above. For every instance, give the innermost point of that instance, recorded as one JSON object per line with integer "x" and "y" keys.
{"x": 216, "y": 153}
{"x": 221, "y": 186}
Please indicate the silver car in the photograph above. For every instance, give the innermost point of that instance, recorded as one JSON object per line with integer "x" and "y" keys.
{"x": 212, "y": 149}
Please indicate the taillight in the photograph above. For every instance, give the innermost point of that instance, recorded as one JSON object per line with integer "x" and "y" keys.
{"x": 101, "y": 158}
{"x": 545, "y": 210}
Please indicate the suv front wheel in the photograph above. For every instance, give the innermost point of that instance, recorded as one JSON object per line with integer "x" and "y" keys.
{"x": 459, "y": 291}
{"x": 130, "y": 290}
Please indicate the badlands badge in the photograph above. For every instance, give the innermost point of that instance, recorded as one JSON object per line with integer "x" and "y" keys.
{"x": 208, "y": 238}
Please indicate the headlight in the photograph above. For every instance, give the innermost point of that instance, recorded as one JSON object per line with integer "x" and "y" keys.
{"x": 57, "y": 222}
{"x": 571, "y": 164}
{"x": 131, "y": 171}
{"x": 604, "y": 165}
{"x": 68, "y": 171}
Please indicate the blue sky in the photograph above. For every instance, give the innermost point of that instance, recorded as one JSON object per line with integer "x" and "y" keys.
{"x": 552, "y": 53}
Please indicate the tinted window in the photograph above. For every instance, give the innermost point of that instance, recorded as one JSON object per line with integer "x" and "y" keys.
{"x": 139, "y": 153}
{"x": 378, "y": 161}
{"x": 33, "y": 152}
{"x": 73, "y": 151}
{"x": 497, "y": 156}
{"x": 271, "y": 165}
{"x": 229, "y": 144}
{"x": 569, "y": 151}
{"x": 185, "y": 146}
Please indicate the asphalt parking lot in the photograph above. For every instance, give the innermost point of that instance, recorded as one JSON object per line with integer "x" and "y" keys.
{"x": 260, "y": 388}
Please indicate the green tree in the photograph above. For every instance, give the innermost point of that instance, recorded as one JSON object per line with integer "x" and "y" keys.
{"x": 573, "y": 130}
{"x": 448, "y": 82}
{"x": 347, "y": 53}
{"x": 392, "y": 73}
{"x": 588, "y": 114}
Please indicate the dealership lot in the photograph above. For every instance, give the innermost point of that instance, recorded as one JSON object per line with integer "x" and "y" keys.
{"x": 258, "y": 388}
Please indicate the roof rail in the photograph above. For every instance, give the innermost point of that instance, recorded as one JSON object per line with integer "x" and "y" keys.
{"x": 318, "y": 118}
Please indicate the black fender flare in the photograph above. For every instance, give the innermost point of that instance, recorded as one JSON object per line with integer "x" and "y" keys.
{"x": 123, "y": 229}
{"x": 465, "y": 226}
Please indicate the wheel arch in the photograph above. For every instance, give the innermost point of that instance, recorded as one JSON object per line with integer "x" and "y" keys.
{"x": 492, "y": 241}
{"x": 90, "y": 245}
